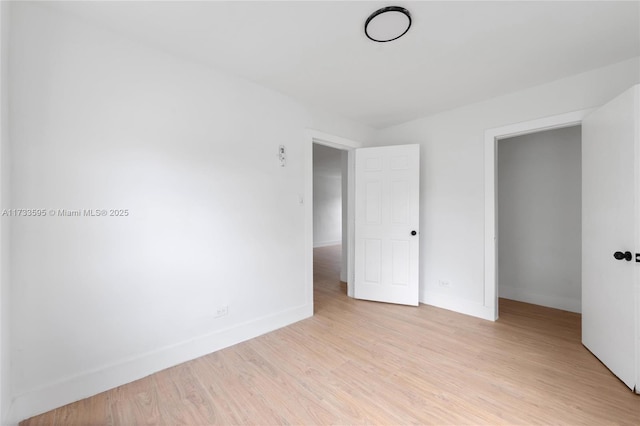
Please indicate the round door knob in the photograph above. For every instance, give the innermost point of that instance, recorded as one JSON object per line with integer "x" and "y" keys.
{"x": 414, "y": 233}
{"x": 620, "y": 255}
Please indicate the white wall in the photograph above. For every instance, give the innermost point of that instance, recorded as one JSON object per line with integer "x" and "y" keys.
{"x": 327, "y": 210}
{"x": 539, "y": 218}
{"x": 102, "y": 122}
{"x": 5, "y": 296}
{"x": 327, "y": 196}
{"x": 452, "y": 176}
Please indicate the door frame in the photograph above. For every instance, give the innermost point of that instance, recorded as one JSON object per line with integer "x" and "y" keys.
{"x": 343, "y": 144}
{"x": 491, "y": 138}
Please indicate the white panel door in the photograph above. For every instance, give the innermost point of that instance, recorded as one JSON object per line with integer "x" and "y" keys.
{"x": 609, "y": 225}
{"x": 386, "y": 231}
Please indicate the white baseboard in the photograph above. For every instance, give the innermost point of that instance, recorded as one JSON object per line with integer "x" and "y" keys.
{"x": 463, "y": 306}
{"x": 327, "y": 243}
{"x": 90, "y": 383}
{"x": 522, "y": 295}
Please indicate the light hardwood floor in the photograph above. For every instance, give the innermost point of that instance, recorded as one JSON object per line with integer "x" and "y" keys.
{"x": 359, "y": 362}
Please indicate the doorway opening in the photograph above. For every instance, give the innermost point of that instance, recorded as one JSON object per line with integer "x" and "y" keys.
{"x": 330, "y": 190}
{"x": 346, "y": 147}
{"x": 491, "y": 138}
{"x": 539, "y": 211}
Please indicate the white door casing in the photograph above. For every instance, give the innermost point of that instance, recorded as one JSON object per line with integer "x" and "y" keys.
{"x": 386, "y": 215}
{"x": 610, "y": 219}
{"x": 490, "y": 306}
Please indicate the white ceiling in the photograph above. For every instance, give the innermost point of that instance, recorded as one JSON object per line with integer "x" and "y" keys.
{"x": 455, "y": 53}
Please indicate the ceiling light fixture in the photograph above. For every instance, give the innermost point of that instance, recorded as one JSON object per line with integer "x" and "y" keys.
{"x": 387, "y": 24}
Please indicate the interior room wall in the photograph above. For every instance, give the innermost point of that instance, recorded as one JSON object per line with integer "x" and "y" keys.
{"x": 452, "y": 176}
{"x": 539, "y": 218}
{"x": 210, "y": 251}
{"x": 327, "y": 196}
{"x": 5, "y": 263}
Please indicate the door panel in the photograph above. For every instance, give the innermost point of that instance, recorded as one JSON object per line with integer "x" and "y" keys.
{"x": 609, "y": 220}
{"x": 372, "y": 257}
{"x": 400, "y": 252}
{"x": 373, "y": 200}
{"x": 387, "y": 210}
{"x": 400, "y": 203}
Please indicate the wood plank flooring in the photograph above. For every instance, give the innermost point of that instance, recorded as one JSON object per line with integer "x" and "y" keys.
{"x": 358, "y": 362}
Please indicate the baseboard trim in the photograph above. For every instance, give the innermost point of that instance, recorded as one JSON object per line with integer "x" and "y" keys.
{"x": 86, "y": 384}
{"x": 462, "y": 306}
{"x": 563, "y": 303}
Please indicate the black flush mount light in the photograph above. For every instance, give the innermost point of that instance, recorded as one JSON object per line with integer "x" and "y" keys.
{"x": 387, "y": 24}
